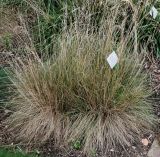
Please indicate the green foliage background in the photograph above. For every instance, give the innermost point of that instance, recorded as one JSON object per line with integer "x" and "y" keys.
{"x": 7, "y": 153}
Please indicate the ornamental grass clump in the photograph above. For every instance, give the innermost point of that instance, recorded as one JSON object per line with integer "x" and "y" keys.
{"x": 76, "y": 96}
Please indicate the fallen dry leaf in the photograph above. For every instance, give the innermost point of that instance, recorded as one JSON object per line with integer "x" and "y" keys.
{"x": 145, "y": 142}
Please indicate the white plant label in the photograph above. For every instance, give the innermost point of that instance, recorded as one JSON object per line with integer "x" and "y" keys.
{"x": 153, "y": 12}
{"x": 112, "y": 59}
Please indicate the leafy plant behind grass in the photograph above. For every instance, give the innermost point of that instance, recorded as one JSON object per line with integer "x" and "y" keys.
{"x": 7, "y": 153}
{"x": 149, "y": 28}
{"x": 75, "y": 96}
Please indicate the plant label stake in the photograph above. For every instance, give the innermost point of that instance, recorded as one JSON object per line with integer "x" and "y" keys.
{"x": 112, "y": 59}
{"x": 153, "y": 12}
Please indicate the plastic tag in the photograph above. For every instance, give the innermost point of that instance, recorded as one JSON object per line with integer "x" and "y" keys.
{"x": 112, "y": 59}
{"x": 153, "y": 12}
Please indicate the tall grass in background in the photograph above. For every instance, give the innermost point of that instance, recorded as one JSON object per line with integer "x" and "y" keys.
{"x": 45, "y": 19}
{"x": 51, "y": 15}
{"x": 74, "y": 95}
